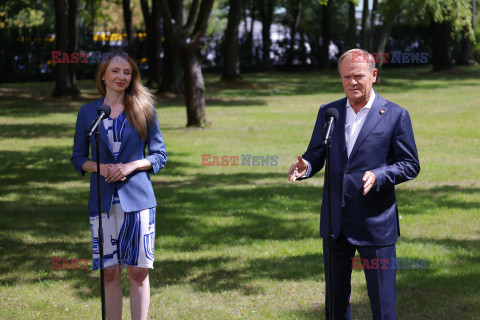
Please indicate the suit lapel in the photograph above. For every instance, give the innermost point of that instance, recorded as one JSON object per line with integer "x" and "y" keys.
{"x": 127, "y": 130}
{"x": 341, "y": 127}
{"x": 101, "y": 129}
{"x": 104, "y": 137}
{"x": 371, "y": 122}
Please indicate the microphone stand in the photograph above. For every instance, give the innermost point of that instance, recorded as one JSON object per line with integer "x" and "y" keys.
{"x": 100, "y": 226}
{"x": 330, "y": 238}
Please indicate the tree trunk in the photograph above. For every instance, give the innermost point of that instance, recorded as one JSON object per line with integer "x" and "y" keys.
{"x": 62, "y": 80}
{"x": 383, "y": 36}
{"x": 352, "y": 26}
{"x": 231, "y": 63}
{"x": 73, "y": 44}
{"x": 157, "y": 43}
{"x": 266, "y": 13}
{"x": 324, "y": 50}
{"x": 365, "y": 36}
{"x": 194, "y": 89}
{"x": 172, "y": 71}
{"x": 464, "y": 55}
{"x": 251, "y": 58}
{"x": 297, "y": 16}
{"x": 127, "y": 17}
{"x": 440, "y": 38}
{"x": 152, "y": 25}
{"x": 371, "y": 34}
{"x": 188, "y": 43}
{"x": 466, "y": 44}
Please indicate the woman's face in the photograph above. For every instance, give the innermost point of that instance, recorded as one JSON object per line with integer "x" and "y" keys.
{"x": 118, "y": 75}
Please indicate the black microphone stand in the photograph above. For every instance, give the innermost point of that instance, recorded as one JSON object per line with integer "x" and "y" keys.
{"x": 330, "y": 238}
{"x": 100, "y": 226}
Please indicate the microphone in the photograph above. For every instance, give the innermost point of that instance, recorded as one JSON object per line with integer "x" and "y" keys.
{"x": 331, "y": 115}
{"x": 103, "y": 112}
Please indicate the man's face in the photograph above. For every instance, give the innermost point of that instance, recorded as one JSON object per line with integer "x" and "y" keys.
{"x": 357, "y": 80}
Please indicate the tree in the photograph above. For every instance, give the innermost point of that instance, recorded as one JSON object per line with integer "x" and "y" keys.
{"x": 446, "y": 17}
{"x": 65, "y": 76}
{"x": 249, "y": 7}
{"x": 324, "y": 50}
{"x": 127, "y": 17}
{"x": 231, "y": 62}
{"x": 266, "y": 15}
{"x": 352, "y": 25}
{"x": 388, "y": 10}
{"x": 366, "y": 27}
{"x": 466, "y": 42}
{"x": 188, "y": 40}
{"x": 296, "y": 6}
{"x": 172, "y": 73}
{"x": 154, "y": 40}
{"x": 72, "y": 42}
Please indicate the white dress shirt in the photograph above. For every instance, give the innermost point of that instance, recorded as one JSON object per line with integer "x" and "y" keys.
{"x": 353, "y": 124}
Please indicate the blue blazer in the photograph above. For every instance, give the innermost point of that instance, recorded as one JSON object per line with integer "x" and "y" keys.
{"x": 136, "y": 192}
{"x": 386, "y": 146}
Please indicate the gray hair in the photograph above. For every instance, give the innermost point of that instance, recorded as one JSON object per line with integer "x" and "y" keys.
{"x": 361, "y": 56}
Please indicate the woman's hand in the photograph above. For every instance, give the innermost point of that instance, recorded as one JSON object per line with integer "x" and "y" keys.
{"x": 105, "y": 169}
{"x": 120, "y": 171}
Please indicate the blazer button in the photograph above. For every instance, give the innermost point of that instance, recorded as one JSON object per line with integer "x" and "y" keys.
{"x": 346, "y": 171}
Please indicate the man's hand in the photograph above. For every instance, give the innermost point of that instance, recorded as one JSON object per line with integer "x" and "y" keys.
{"x": 298, "y": 169}
{"x": 119, "y": 171}
{"x": 369, "y": 179}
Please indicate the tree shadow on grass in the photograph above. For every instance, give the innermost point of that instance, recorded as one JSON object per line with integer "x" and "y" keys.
{"x": 420, "y": 200}
{"x": 27, "y": 131}
{"x": 328, "y": 82}
{"x": 191, "y": 213}
{"x": 458, "y": 286}
{"x": 217, "y": 275}
{"x": 359, "y": 310}
{"x": 214, "y": 102}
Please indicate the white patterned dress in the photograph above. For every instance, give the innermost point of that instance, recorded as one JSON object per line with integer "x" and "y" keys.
{"x": 129, "y": 237}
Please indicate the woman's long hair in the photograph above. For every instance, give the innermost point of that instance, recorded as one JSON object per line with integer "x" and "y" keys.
{"x": 138, "y": 100}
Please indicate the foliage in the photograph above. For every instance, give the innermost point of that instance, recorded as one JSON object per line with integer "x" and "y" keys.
{"x": 24, "y": 13}
{"x": 218, "y": 20}
{"x": 458, "y": 13}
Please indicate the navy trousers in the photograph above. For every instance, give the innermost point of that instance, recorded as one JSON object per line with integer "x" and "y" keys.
{"x": 380, "y": 272}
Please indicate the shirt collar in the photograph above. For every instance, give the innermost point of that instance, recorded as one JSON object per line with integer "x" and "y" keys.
{"x": 369, "y": 103}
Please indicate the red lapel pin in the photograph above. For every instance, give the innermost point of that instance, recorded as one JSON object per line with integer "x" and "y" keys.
{"x": 382, "y": 111}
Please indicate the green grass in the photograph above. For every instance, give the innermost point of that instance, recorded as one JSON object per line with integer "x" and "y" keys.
{"x": 241, "y": 242}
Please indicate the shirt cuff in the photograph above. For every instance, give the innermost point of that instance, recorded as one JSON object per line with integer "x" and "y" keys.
{"x": 309, "y": 170}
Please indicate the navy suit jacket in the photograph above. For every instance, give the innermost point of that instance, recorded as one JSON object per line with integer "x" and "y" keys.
{"x": 136, "y": 192}
{"x": 386, "y": 146}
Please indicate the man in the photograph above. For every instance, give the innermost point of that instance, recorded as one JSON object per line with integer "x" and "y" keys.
{"x": 373, "y": 149}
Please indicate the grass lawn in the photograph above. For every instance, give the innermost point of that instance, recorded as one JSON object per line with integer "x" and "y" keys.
{"x": 241, "y": 242}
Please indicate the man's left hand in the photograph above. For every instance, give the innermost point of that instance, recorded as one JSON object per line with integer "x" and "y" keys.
{"x": 369, "y": 179}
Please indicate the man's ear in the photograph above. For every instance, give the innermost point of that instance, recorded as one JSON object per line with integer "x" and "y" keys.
{"x": 374, "y": 75}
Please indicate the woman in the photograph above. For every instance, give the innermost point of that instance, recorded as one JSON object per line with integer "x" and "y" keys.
{"x": 127, "y": 198}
